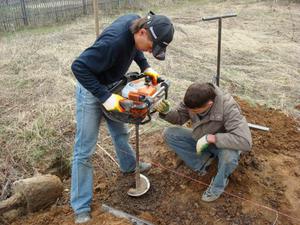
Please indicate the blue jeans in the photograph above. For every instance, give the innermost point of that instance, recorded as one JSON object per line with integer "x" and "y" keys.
{"x": 182, "y": 143}
{"x": 88, "y": 117}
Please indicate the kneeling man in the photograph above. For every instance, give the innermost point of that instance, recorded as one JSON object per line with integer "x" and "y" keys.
{"x": 219, "y": 130}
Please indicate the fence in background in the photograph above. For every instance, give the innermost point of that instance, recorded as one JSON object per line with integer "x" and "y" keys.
{"x": 15, "y": 14}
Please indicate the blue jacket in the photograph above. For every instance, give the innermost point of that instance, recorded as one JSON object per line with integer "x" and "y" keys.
{"x": 109, "y": 58}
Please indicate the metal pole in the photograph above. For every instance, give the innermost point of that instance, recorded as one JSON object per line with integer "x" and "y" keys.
{"x": 96, "y": 11}
{"x": 137, "y": 149}
{"x": 219, "y": 18}
{"x": 219, "y": 51}
{"x": 122, "y": 214}
{"x": 259, "y": 127}
{"x": 217, "y": 78}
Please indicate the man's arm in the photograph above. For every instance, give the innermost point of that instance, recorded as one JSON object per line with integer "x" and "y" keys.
{"x": 238, "y": 135}
{"x": 179, "y": 115}
{"x": 94, "y": 60}
{"x": 141, "y": 61}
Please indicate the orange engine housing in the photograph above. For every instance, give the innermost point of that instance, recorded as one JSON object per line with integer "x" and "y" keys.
{"x": 147, "y": 90}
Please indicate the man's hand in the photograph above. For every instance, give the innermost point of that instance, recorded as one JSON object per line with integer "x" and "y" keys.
{"x": 113, "y": 103}
{"x": 163, "y": 107}
{"x": 203, "y": 142}
{"x": 152, "y": 74}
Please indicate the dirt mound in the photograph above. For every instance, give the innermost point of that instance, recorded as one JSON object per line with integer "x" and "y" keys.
{"x": 266, "y": 181}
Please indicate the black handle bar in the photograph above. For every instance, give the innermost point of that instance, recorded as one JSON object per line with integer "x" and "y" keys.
{"x": 219, "y": 17}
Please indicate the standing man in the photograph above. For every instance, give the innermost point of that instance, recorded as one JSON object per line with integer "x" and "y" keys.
{"x": 219, "y": 131}
{"x": 96, "y": 70}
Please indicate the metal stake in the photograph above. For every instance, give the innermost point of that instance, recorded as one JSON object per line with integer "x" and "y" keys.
{"x": 219, "y": 18}
{"x": 216, "y": 79}
{"x": 122, "y": 214}
{"x": 137, "y": 147}
{"x": 142, "y": 183}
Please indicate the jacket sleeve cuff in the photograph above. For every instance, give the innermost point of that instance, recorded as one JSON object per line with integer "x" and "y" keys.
{"x": 103, "y": 98}
{"x": 162, "y": 115}
{"x": 141, "y": 61}
{"x": 144, "y": 65}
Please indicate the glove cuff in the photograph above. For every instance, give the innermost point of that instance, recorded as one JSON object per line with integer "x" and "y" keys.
{"x": 165, "y": 113}
{"x": 148, "y": 70}
{"x": 109, "y": 104}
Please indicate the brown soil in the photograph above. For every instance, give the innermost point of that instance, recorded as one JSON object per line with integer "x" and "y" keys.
{"x": 266, "y": 180}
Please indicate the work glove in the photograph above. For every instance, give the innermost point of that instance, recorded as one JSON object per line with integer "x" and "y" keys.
{"x": 202, "y": 144}
{"x": 113, "y": 103}
{"x": 163, "y": 107}
{"x": 152, "y": 74}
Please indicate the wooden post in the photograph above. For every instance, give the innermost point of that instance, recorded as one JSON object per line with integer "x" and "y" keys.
{"x": 24, "y": 13}
{"x": 96, "y": 10}
{"x": 84, "y": 7}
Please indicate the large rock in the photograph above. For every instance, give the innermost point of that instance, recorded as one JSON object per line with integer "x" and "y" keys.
{"x": 31, "y": 195}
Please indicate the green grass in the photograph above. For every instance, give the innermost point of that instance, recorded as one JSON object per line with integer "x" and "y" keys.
{"x": 6, "y": 11}
{"x": 35, "y": 30}
{"x": 22, "y": 84}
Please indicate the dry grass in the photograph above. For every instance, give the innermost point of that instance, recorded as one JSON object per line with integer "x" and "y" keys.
{"x": 260, "y": 50}
{"x": 260, "y": 62}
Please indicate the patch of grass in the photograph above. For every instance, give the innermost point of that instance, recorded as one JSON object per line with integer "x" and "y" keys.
{"x": 6, "y": 11}
{"x": 250, "y": 101}
{"x": 24, "y": 83}
{"x": 40, "y": 138}
{"x": 36, "y": 154}
{"x": 35, "y": 30}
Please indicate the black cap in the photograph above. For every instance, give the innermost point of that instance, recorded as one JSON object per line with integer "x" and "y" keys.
{"x": 161, "y": 29}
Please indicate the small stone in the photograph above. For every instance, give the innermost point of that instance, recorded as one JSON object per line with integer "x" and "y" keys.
{"x": 276, "y": 151}
{"x": 146, "y": 216}
{"x": 212, "y": 213}
{"x": 100, "y": 187}
{"x": 183, "y": 186}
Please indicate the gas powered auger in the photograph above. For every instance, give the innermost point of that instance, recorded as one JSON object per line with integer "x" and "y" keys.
{"x": 140, "y": 98}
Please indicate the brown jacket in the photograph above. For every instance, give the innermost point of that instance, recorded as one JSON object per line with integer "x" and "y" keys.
{"x": 224, "y": 119}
